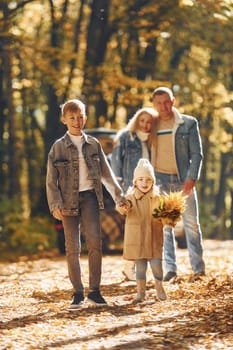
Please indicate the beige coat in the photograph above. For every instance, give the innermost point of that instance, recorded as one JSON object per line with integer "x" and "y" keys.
{"x": 143, "y": 238}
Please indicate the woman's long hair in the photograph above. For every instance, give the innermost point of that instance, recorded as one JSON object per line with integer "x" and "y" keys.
{"x": 133, "y": 124}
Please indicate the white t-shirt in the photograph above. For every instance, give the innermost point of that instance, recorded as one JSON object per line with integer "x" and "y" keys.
{"x": 84, "y": 183}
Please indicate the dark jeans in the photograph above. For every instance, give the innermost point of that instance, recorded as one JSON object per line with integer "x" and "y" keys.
{"x": 90, "y": 218}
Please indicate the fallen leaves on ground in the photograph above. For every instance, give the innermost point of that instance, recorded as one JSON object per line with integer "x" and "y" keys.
{"x": 198, "y": 314}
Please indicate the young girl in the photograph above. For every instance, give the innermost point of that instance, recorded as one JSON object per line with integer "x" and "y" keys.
{"x": 143, "y": 241}
{"x": 131, "y": 144}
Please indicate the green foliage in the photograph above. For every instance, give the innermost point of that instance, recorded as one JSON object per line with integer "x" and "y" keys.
{"x": 10, "y": 214}
{"x": 25, "y": 236}
{"x": 33, "y": 235}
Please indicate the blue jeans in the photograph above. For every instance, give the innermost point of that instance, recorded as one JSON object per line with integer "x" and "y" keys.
{"x": 89, "y": 219}
{"x": 192, "y": 228}
{"x": 156, "y": 267}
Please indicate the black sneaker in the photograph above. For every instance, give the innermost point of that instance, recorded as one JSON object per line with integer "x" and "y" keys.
{"x": 169, "y": 275}
{"x": 77, "y": 302}
{"x": 96, "y": 298}
{"x": 198, "y": 275}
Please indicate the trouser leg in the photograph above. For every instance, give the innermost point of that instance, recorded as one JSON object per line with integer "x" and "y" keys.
{"x": 193, "y": 233}
{"x": 90, "y": 217}
{"x": 141, "y": 267}
{"x": 73, "y": 248}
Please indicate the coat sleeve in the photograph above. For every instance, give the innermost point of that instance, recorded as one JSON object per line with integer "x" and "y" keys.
{"x": 108, "y": 178}
{"x": 53, "y": 193}
{"x": 196, "y": 153}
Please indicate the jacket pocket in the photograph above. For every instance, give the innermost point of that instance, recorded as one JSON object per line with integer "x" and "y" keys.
{"x": 63, "y": 168}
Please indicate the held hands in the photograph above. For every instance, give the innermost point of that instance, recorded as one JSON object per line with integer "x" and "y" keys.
{"x": 124, "y": 207}
{"x": 57, "y": 214}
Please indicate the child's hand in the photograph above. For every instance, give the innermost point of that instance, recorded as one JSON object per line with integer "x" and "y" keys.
{"x": 57, "y": 214}
{"x": 123, "y": 207}
{"x": 128, "y": 205}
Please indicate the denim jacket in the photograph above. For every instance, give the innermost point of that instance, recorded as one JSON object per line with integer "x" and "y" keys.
{"x": 125, "y": 157}
{"x": 187, "y": 146}
{"x": 63, "y": 170}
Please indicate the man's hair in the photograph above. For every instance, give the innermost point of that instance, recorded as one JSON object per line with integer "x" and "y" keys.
{"x": 163, "y": 90}
{"x": 73, "y": 106}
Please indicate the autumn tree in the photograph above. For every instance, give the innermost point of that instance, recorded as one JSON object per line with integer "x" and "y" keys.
{"x": 112, "y": 55}
{"x": 9, "y": 155}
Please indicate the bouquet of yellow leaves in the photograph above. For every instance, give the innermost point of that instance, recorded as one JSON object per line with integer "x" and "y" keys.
{"x": 171, "y": 208}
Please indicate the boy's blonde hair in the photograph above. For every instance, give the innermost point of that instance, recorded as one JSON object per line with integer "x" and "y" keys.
{"x": 73, "y": 106}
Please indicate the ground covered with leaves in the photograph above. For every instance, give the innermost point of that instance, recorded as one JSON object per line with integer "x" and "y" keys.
{"x": 198, "y": 314}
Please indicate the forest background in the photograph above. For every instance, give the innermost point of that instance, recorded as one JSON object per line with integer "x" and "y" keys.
{"x": 112, "y": 55}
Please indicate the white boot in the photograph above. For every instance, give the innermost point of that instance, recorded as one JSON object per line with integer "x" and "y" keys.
{"x": 129, "y": 270}
{"x": 141, "y": 290}
{"x": 161, "y": 294}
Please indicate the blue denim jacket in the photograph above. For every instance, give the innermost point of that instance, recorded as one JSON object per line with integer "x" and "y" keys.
{"x": 62, "y": 182}
{"x": 187, "y": 146}
{"x": 125, "y": 156}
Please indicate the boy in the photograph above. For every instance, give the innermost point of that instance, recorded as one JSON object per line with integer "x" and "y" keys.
{"x": 76, "y": 172}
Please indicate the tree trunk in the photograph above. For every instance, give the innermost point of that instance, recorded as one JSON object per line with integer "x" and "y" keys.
{"x": 219, "y": 211}
{"x": 96, "y": 48}
{"x": 231, "y": 216}
{"x": 2, "y": 120}
{"x": 12, "y": 156}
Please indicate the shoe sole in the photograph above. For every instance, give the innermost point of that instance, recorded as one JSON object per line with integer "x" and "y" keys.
{"x": 167, "y": 280}
{"x": 92, "y": 302}
{"x": 76, "y": 307}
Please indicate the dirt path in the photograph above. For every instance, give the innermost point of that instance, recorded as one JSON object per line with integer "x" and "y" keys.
{"x": 196, "y": 315}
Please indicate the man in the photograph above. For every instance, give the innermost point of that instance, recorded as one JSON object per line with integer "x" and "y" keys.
{"x": 177, "y": 160}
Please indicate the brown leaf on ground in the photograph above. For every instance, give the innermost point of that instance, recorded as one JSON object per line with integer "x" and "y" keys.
{"x": 198, "y": 314}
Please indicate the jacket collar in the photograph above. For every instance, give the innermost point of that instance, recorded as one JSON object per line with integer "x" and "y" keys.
{"x": 139, "y": 195}
{"x": 177, "y": 116}
{"x": 68, "y": 141}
